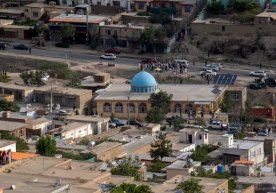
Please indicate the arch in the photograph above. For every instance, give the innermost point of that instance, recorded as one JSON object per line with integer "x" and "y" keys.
{"x": 177, "y": 108}
{"x": 119, "y": 108}
{"x": 142, "y": 108}
{"x": 131, "y": 107}
{"x": 107, "y": 107}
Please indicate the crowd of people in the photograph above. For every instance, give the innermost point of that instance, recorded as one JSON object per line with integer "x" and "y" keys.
{"x": 264, "y": 130}
{"x": 157, "y": 66}
{"x": 5, "y": 157}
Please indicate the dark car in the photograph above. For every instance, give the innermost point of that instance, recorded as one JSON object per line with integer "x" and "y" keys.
{"x": 270, "y": 82}
{"x": 3, "y": 46}
{"x": 118, "y": 122}
{"x": 265, "y": 187}
{"x": 21, "y": 47}
{"x": 257, "y": 86}
{"x": 136, "y": 123}
{"x": 112, "y": 50}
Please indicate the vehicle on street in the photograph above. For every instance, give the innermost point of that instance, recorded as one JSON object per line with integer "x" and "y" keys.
{"x": 183, "y": 63}
{"x": 63, "y": 113}
{"x": 211, "y": 67}
{"x": 234, "y": 128}
{"x": 270, "y": 82}
{"x": 136, "y": 123}
{"x": 262, "y": 133}
{"x": 45, "y": 77}
{"x": 256, "y": 86}
{"x": 20, "y": 47}
{"x": 3, "y": 46}
{"x": 112, "y": 50}
{"x": 259, "y": 73}
{"x": 118, "y": 122}
{"x": 216, "y": 125}
{"x": 208, "y": 73}
{"x": 218, "y": 65}
{"x": 108, "y": 56}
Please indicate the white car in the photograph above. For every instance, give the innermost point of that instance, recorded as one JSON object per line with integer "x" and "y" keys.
{"x": 213, "y": 124}
{"x": 260, "y": 73}
{"x": 108, "y": 56}
{"x": 212, "y": 67}
{"x": 218, "y": 65}
{"x": 45, "y": 77}
{"x": 208, "y": 73}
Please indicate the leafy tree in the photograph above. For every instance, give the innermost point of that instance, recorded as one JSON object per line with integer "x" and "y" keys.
{"x": 32, "y": 78}
{"x": 161, "y": 100}
{"x": 177, "y": 123}
{"x": 131, "y": 188}
{"x": 21, "y": 145}
{"x": 4, "y": 77}
{"x": 162, "y": 147}
{"x": 75, "y": 80}
{"x": 248, "y": 113}
{"x": 239, "y": 6}
{"x": 128, "y": 167}
{"x": 157, "y": 166}
{"x": 215, "y": 8}
{"x": 67, "y": 31}
{"x": 191, "y": 186}
{"x": 160, "y": 33}
{"x": 84, "y": 141}
{"x": 155, "y": 115}
{"x": 8, "y": 106}
{"x": 226, "y": 106}
{"x": 201, "y": 153}
{"x": 46, "y": 146}
{"x": 154, "y": 37}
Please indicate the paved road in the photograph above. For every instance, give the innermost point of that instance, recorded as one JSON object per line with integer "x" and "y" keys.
{"x": 85, "y": 57}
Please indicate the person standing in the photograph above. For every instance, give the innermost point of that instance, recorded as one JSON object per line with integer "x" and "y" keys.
{"x": 30, "y": 50}
{"x": 260, "y": 65}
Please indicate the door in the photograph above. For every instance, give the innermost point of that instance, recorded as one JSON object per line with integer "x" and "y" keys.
{"x": 190, "y": 138}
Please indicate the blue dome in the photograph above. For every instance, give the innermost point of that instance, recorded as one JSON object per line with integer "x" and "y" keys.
{"x": 143, "y": 82}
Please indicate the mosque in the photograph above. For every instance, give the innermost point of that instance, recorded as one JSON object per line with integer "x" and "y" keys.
{"x": 118, "y": 98}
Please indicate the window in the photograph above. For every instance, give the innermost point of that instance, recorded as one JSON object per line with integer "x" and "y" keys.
{"x": 177, "y": 108}
{"x": 199, "y": 137}
{"x": 131, "y": 108}
{"x": 99, "y": 3}
{"x": 141, "y": 5}
{"x": 143, "y": 108}
{"x": 118, "y": 108}
{"x": 188, "y": 8}
{"x": 108, "y": 32}
{"x": 107, "y": 107}
{"x": 35, "y": 14}
{"x": 223, "y": 28}
{"x": 116, "y": 3}
{"x": 235, "y": 95}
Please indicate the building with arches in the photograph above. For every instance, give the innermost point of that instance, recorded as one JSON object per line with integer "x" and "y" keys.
{"x": 117, "y": 99}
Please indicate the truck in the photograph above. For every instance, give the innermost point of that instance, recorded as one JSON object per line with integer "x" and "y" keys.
{"x": 216, "y": 125}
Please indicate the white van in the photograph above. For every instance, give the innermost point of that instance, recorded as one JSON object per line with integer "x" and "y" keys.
{"x": 181, "y": 62}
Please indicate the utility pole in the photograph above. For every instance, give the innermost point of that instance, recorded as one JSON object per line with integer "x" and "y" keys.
{"x": 128, "y": 113}
{"x": 87, "y": 31}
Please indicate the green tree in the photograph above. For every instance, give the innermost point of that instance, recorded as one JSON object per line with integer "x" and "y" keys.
{"x": 157, "y": 166}
{"x": 46, "y": 146}
{"x": 131, "y": 188}
{"x": 67, "y": 31}
{"x": 201, "y": 153}
{"x": 155, "y": 115}
{"x": 128, "y": 167}
{"x": 21, "y": 145}
{"x": 162, "y": 147}
{"x": 226, "y": 106}
{"x": 215, "y": 8}
{"x": 191, "y": 186}
{"x": 161, "y": 100}
{"x": 32, "y": 77}
{"x": 8, "y": 106}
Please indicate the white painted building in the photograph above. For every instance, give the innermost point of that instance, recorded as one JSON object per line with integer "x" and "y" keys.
{"x": 6, "y": 145}
{"x": 42, "y": 125}
{"x": 115, "y": 3}
{"x": 193, "y": 136}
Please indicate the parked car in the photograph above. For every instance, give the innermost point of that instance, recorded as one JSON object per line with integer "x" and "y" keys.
{"x": 63, "y": 113}
{"x": 234, "y": 128}
{"x": 3, "y": 46}
{"x": 218, "y": 65}
{"x": 212, "y": 67}
{"x": 265, "y": 188}
{"x": 20, "y": 47}
{"x": 136, "y": 123}
{"x": 261, "y": 133}
{"x": 259, "y": 73}
{"x": 45, "y": 77}
{"x": 257, "y": 86}
{"x": 108, "y": 56}
{"x": 183, "y": 63}
{"x": 270, "y": 82}
{"x": 112, "y": 50}
{"x": 217, "y": 125}
{"x": 118, "y": 122}
{"x": 208, "y": 72}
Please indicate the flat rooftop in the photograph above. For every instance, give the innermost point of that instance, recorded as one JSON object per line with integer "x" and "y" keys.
{"x": 267, "y": 14}
{"x": 180, "y": 164}
{"x": 4, "y": 143}
{"x": 71, "y": 126}
{"x": 86, "y": 118}
{"x": 12, "y": 11}
{"x": 181, "y": 92}
{"x": 75, "y": 18}
{"x": 105, "y": 146}
{"x": 212, "y": 21}
{"x": 63, "y": 90}
{"x": 16, "y": 87}
{"x": 40, "y": 121}
{"x": 140, "y": 27}
{"x": 15, "y": 115}
{"x": 41, "y": 5}
{"x": 10, "y": 126}
{"x": 244, "y": 144}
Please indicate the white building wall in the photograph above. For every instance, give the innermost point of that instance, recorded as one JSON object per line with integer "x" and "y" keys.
{"x": 43, "y": 127}
{"x": 11, "y": 147}
{"x": 77, "y": 132}
{"x": 256, "y": 153}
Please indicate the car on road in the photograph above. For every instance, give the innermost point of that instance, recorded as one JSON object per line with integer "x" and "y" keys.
{"x": 20, "y": 47}
{"x": 183, "y": 63}
{"x": 136, "y": 123}
{"x": 62, "y": 113}
{"x": 216, "y": 125}
{"x": 270, "y": 82}
{"x": 112, "y": 50}
{"x": 218, "y": 65}
{"x": 211, "y": 67}
{"x": 118, "y": 122}
{"x": 262, "y": 133}
{"x": 45, "y": 77}
{"x": 3, "y": 46}
{"x": 265, "y": 188}
{"x": 108, "y": 56}
{"x": 234, "y": 128}
{"x": 208, "y": 73}
{"x": 257, "y": 85}
{"x": 259, "y": 73}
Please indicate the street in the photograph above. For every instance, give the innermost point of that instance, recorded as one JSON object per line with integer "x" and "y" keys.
{"x": 86, "y": 57}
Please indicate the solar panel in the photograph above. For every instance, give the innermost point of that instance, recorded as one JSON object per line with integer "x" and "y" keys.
{"x": 227, "y": 79}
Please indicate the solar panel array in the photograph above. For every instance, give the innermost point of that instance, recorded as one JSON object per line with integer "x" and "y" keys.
{"x": 227, "y": 79}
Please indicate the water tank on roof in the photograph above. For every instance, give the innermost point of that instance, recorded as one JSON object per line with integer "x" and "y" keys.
{"x": 220, "y": 168}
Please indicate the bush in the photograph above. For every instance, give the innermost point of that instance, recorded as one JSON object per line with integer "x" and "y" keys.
{"x": 93, "y": 45}
{"x": 143, "y": 13}
{"x": 62, "y": 45}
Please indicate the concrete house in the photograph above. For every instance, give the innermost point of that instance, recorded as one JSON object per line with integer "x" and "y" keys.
{"x": 7, "y": 145}
{"x": 193, "y": 136}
